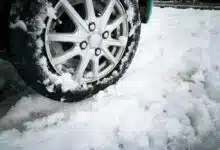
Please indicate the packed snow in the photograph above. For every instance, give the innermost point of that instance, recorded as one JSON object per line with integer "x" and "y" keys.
{"x": 19, "y": 24}
{"x": 168, "y": 99}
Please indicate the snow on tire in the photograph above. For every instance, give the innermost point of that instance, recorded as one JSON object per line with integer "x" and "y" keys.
{"x": 69, "y": 50}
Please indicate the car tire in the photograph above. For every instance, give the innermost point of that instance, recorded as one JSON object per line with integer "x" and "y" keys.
{"x": 29, "y": 32}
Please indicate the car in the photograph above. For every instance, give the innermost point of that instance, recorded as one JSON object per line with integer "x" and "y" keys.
{"x": 68, "y": 50}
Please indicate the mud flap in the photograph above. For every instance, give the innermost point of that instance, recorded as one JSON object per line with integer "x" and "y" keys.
{"x": 150, "y": 4}
{"x": 145, "y": 9}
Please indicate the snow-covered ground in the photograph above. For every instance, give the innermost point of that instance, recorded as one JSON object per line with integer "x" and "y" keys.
{"x": 169, "y": 99}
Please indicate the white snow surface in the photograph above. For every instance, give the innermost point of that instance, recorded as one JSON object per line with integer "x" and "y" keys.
{"x": 168, "y": 99}
{"x": 19, "y": 24}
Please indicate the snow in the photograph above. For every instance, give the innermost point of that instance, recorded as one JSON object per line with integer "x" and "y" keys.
{"x": 51, "y": 12}
{"x": 19, "y": 24}
{"x": 169, "y": 99}
{"x": 67, "y": 82}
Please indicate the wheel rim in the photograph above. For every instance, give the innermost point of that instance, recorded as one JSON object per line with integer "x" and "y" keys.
{"x": 92, "y": 43}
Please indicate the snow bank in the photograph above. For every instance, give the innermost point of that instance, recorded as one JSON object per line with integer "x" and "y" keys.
{"x": 168, "y": 99}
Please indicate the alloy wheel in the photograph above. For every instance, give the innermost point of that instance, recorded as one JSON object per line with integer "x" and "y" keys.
{"x": 87, "y": 39}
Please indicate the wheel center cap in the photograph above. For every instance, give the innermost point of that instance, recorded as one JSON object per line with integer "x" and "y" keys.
{"x": 95, "y": 40}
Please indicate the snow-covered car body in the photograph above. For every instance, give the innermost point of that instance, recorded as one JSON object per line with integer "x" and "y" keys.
{"x": 5, "y": 5}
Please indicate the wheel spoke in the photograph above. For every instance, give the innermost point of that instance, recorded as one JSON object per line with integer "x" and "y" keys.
{"x": 107, "y": 13}
{"x": 95, "y": 67}
{"x": 73, "y": 14}
{"x": 86, "y": 57}
{"x": 113, "y": 42}
{"x": 64, "y": 37}
{"x": 109, "y": 56}
{"x": 90, "y": 9}
{"x": 115, "y": 24}
{"x": 66, "y": 56}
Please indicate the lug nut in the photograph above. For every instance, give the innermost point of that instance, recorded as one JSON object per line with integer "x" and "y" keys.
{"x": 92, "y": 26}
{"x": 83, "y": 45}
{"x": 98, "y": 51}
{"x": 105, "y": 35}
